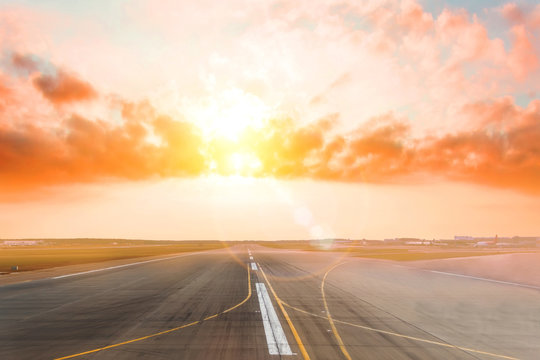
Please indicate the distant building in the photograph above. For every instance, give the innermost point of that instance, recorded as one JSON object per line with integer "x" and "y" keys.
{"x": 407, "y": 241}
{"x": 463, "y": 238}
{"x": 423, "y": 242}
{"x": 21, "y": 242}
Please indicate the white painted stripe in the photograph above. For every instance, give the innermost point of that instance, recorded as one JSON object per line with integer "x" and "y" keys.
{"x": 253, "y": 266}
{"x": 251, "y": 258}
{"x": 485, "y": 279}
{"x": 275, "y": 337}
{"x": 120, "y": 266}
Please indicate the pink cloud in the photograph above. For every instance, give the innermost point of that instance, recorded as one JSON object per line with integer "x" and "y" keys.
{"x": 516, "y": 15}
{"x": 414, "y": 18}
{"x": 523, "y": 58}
{"x": 513, "y": 13}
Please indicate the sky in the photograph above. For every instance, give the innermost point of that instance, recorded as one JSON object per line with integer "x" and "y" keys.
{"x": 269, "y": 119}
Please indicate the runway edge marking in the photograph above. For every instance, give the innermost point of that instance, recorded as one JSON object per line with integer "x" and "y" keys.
{"x": 166, "y": 331}
{"x": 286, "y": 315}
{"x": 485, "y": 279}
{"x": 122, "y": 266}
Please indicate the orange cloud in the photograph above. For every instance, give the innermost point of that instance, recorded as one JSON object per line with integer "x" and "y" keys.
{"x": 5, "y": 93}
{"x": 56, "y": 85}
{"x": 84, "y": 150}
{"x": 64, "y": 88}
{"x": 501, "y": 148}
{"x": 408, "y": 61}
{"x": 504, "y": 155}
{"x": 374, "y": 152}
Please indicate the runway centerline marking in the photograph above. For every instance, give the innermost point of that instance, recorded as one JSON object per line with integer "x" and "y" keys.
{"x": 286, "y": 315}
{"x": 253, "y": 266}
{"x": 166, "y": 331}
{"x": 121, "y": 266}
{"x": 275, "y": 336}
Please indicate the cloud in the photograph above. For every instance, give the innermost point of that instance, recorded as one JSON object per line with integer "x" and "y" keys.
{"x": 62, "y": 88}
{"x": 83, "y": 150}
{"x": 27, "y": 63}
{"x": 513, "y": 13}
{"x": 5, "y": 92}
{"x": 343, "y": 79}
{"x": 518, "y": 15}
{"x": 522, "y": 59}
{"x": 498, "y": 154}
{"x": 55, "y": 84}
{"x": 389, "y": 70}
{"x": 414, "y": 18}
{"x": 501, "y": 148}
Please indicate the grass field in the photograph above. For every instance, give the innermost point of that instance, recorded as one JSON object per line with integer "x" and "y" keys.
{"x": 63, "y": 252}
{"x": 396, "y": 253}
{"x": 411, "y": 255}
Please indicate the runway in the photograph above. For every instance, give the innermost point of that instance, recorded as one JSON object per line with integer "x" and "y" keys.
{"x": 250, "y": 302}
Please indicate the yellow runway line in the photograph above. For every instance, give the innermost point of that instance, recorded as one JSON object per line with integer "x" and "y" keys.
{"x": 166, "y": 331}
{"x": 128, "y": 342}
{"x": 329, "y": 316}
{"x": 247, "y": 297}
{"x": 286, "y": 315}
{"x": 397, "y": 334}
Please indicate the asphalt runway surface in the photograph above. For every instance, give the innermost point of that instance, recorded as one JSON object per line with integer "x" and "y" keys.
{"x": 267, "y": 304}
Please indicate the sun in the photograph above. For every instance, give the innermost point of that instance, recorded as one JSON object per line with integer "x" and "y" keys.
{"x": 244, "y": 164}
{"x": 229, "y": 113}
